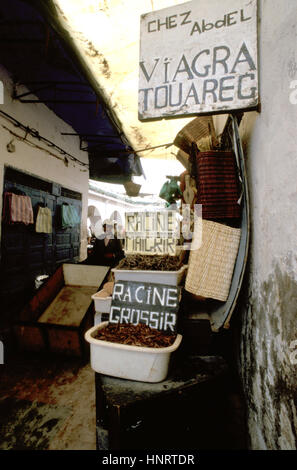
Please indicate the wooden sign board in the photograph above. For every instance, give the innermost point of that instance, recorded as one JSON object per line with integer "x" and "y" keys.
{"x": 151, "y": 233}
{"x": 198, "y": 57}
{"x": 155, "y": 305}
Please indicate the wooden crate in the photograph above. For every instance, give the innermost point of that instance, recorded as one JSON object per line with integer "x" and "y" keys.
{"x": 56, "y": 318}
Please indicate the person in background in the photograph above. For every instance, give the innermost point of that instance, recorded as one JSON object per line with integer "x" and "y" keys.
{"x": 120, "y": 233}
{"x": 107, "y": 250}
{"x": 89, "y": 238}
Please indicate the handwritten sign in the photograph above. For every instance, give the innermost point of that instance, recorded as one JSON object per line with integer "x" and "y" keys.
{"x": 198, "y": 57}
{"x": 155, "y": 305}
{"x": 151, "y": 233}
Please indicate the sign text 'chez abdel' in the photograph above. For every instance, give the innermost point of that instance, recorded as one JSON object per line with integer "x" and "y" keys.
{"x": 155, "y": 305}
{"x": 198, "y": 57}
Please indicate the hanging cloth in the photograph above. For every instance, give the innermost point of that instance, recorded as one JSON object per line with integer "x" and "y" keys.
{"x": 69, "y": 216}
{"x": 17, "y": 209}
{"x": 170, "y": 191}
{"x": 44, "y": 220}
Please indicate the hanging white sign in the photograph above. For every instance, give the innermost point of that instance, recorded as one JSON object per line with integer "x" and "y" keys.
{"x": 198, "y": 57}
{"x": 151, "y": 233}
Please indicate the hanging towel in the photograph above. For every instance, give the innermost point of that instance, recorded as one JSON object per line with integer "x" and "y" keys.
{"x": 44, "y": 220}
{"x": 17, "y": 209}
{"x": 70, "y": 216}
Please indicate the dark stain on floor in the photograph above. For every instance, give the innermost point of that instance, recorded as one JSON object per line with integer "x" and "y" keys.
{"x": 26, "y": 425}
{"x": 47, "y": 403}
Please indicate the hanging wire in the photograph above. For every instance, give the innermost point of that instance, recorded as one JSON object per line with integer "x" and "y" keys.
{"x": 31, "y": 144}
{"x": 35, "y": 134}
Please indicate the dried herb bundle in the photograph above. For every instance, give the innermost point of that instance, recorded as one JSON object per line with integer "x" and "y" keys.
{"x": 151, "y": 262}
{"x": 135, "y": 335}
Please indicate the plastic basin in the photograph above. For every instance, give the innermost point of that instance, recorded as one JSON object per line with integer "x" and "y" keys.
{"x": 129, "y": 362}
{"x": 172, "y": 278}
{"x": 102, "y": 304}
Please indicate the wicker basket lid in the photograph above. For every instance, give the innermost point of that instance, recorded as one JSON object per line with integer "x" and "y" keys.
{"x": 183, "y": 158}
{"x": 211, "y": 266}
{"x": 201, "y": 131}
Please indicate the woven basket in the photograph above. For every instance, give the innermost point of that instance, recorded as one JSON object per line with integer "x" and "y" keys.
{"x": 211, "y": 266}
{"x": 218, "y": 184}
{"x": 183, "y": 158}
{"x": 201, "y": 131}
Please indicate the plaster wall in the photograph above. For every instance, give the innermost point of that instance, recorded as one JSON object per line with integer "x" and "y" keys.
{"x": 107, "y": 206}
{"x": 38, "y": 162}
{"x": 268, "y": 361}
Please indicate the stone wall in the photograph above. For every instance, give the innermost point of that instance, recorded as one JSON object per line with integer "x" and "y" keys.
{"x": 268, "y": 358}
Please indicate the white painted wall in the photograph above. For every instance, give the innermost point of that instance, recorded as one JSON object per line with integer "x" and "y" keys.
{"x": 268, "y": 361}
{"x": 37, "y": 162}
{"x": 107, "y": 205}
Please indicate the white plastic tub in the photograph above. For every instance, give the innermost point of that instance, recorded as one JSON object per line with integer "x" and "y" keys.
{"x": 102, "y": 304}
{"x": 100, "y": 317}
{"x": 172, "y": 278}
{"x": 83, "y": 275}
{"x": 129, "y": 362}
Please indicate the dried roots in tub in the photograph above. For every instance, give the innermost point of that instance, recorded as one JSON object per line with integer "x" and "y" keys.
{"x": 135, "y": 335}
{"x": 151, "y": 263}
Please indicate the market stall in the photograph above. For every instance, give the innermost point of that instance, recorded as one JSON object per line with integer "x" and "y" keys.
{"x": 179, "y": 76}
{"x": 168, "y": 298}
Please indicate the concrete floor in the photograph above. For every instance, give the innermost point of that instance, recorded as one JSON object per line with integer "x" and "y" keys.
{"x": 47, "y": 403}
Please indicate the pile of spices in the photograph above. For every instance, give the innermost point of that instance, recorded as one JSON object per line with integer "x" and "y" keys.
{"x": 135, "y": 335}
{"x": 151, "y": 263}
